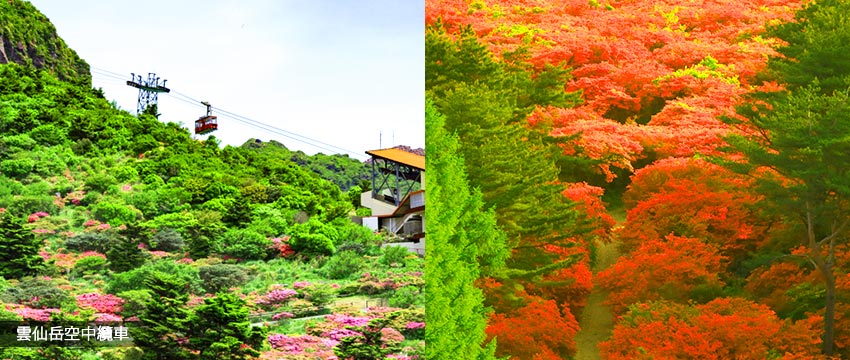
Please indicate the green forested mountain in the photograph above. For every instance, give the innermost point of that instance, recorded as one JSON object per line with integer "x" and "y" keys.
{"x": 107, "y": 216}
{"x": 27, "y": 37}
{"x": 342, "y": 170}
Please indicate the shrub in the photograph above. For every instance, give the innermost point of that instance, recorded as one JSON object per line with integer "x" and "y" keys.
{"x": 134, "y": 279}
{"x": 37, "y": 293}
{"x": 221, "y": 277}
{"x": 246, "y": 244}
{"x": 16, "y": 168}
{"x": 319, "y": 294}
{"x": 22, "y": 141}
{"x": 342, "y": 265}
{"x": 406, "y": 296}
{"x": 313, "y": 238}
{"x": 351, "y": 233}
{"x": 393, "y": 255}
{"x": 167, "y": 239}
{"x": 99, "y": 182}
{"x": 82, "y": 146}
{"x": 114, "y": 214}
{"x": 126, "y": 173}
{"x": 90, "y": 265}
{"x": 48, "y": 134}
{"x": 134, "y": 301}
{"x": 28, "y": 204}
{"x": 99, "y": 242}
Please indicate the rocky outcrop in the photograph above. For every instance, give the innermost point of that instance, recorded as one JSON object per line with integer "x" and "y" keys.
{"x": 28, "y": 38}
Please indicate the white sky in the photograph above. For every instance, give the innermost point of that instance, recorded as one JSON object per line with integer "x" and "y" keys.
{"x": 338, "y": 71}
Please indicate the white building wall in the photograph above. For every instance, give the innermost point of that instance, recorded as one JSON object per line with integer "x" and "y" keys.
{"x": 378, "y": 207}
{"x": 371, "y": 222}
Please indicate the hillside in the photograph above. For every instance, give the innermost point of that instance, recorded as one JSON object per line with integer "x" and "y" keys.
{"x": 28, "y": 37}
{"x": 110, "y": 217}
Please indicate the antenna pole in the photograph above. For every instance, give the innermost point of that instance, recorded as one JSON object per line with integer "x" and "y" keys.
{"x": 148, "y": 90}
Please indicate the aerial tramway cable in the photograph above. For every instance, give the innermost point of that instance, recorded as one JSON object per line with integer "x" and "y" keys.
{"x": 113, "y": 76}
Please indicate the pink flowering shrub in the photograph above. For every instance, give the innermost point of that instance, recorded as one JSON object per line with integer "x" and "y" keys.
{"x": 276, "y": 297}
{"x": 36, "y": 216}
{"x": 415, "y": 325}
{"x": 344, "y": 320}
{"x": 35, "y": 314}
{"x": 302, "y": 344}
{"x": 101, "y": 303}
{"x": 282, "y": 246}
{"x": 391, "y": 336}
{"x": 92, "y": 253}
{"x": 282, "y": 315}
{"x": 156, "y": 254}
{"x": 301, "y": 284}
{"x": 106, "y": 318}
{"x": 91, "y": 223}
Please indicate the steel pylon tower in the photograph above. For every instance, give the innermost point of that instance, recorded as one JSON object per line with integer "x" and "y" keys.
{"x": 148, "y": 90}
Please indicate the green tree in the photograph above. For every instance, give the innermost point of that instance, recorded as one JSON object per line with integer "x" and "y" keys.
{"x": 462, "y": 238}
{"x": 486, "y": 104}
{"x": 220, "y": 329}
{"x": 803, "y": 136}
{"x": 18, "y": 248}
{"x": 124, "y": 254}
{"x": 163, "y": 324}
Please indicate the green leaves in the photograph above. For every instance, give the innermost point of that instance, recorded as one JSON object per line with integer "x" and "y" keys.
{"x": 817, "y": 46}
{"x": 18, "y": 248}
{"x": 463, "y": 244}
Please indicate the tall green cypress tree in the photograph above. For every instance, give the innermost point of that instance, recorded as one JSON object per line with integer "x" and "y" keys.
{"x": 18, "y": 248}
{"x": 463, "y": 242}
{"x": 220, "y": 329}
{"x": 162, "y": 332}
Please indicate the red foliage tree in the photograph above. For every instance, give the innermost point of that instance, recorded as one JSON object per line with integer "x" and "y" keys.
{"x": 538, "y": 330}
{"x": 693, "y": 198}
{"x": 590, "y": 203}
{"x": 725, "y": 328}
{"x": 671, "y": 268}
{"x": 660, "y": 71}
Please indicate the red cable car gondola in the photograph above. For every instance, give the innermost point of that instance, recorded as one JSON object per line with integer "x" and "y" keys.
{"x": 206, "y": 124}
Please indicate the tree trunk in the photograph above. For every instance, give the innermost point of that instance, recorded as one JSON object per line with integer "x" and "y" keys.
{"x": 829, "y": 314}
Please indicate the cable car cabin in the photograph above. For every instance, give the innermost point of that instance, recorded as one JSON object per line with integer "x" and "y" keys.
{"x": 206, "y": 125}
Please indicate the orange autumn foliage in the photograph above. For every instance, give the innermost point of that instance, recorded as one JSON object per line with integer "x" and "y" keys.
{"x": 669, "y": 269}
{"x": 568, "y": 287}
{"x": 725, "y": 328}
{"x": 588, "y": 198}
{"x": 539, "y": 330}
{"x": 769, "y": 285}
{"x": 658, "y": 73}
{"x": 693, "y": 198}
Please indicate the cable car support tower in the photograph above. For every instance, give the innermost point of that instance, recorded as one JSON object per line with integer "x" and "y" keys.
{"x": 148, "y": 91}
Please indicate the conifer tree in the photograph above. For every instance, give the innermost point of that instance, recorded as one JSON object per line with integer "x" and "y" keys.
{"x": 220, "y": 329}
{"x": 486, "y": 104}
{"x": 18, "y": 248}
{"x": 463, "y": 243}
{"x": 802, "y": 133}
{"x": 162, "y": 328}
